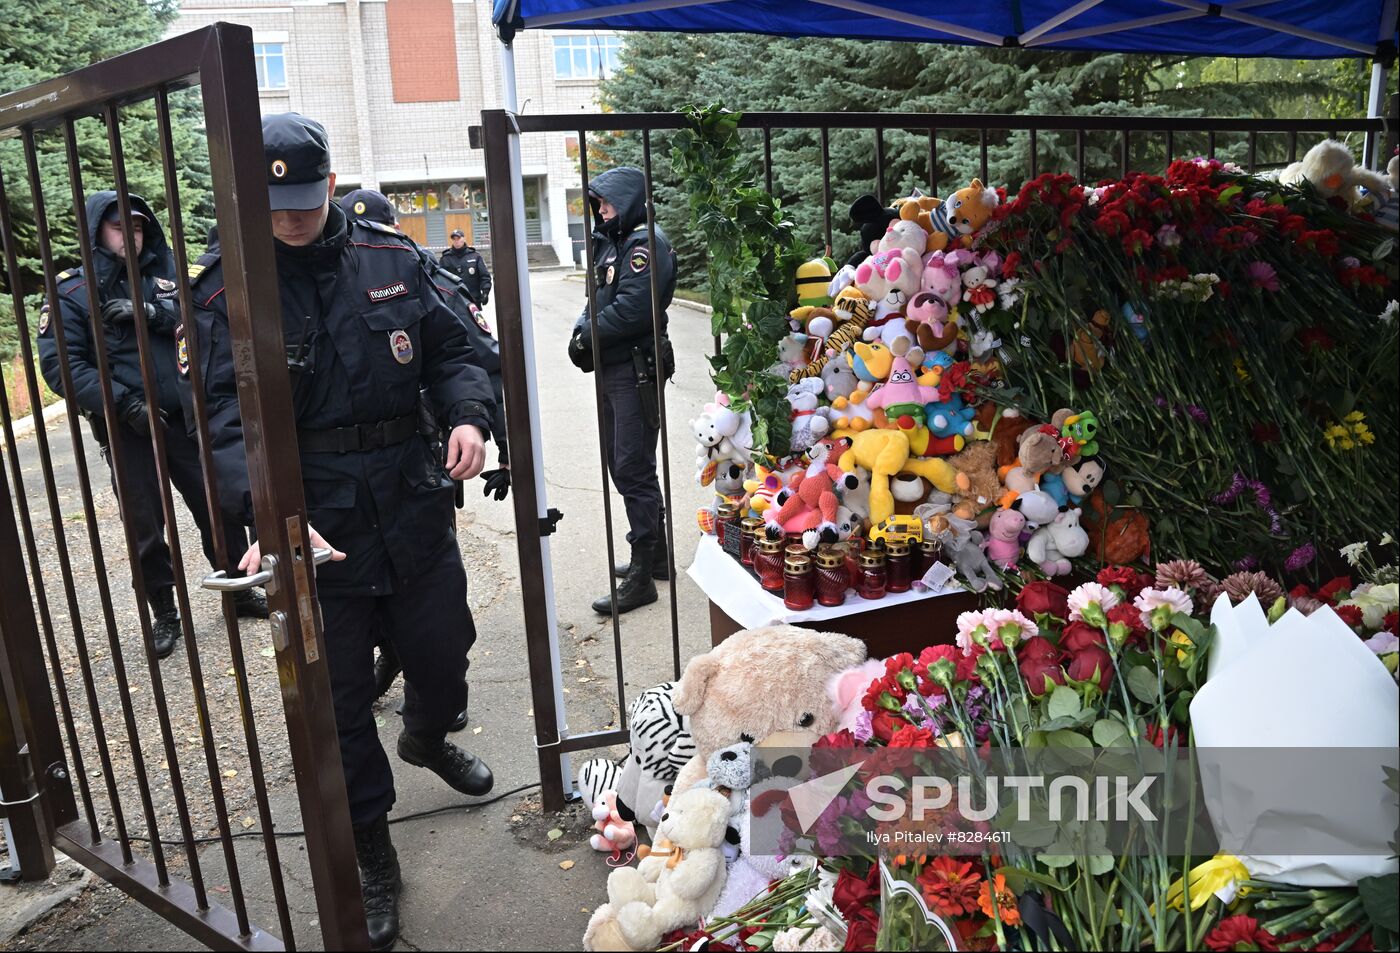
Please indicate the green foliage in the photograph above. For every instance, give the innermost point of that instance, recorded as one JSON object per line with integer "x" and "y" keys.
{"x": 666, "y": 72}
{"x": 41, "y": 39}
{"x": 753, "y": 255}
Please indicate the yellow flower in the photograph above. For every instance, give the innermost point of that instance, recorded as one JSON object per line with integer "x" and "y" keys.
{"x": 1181, "y": 638}
{"x": 1350, "y": 433}
{"x": 1240, "y": 371}
{"x": 1219, "y": 873}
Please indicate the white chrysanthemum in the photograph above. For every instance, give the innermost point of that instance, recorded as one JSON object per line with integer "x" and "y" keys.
{"x": 1353, "y": 553}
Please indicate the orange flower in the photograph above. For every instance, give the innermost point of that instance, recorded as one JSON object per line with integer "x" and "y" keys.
{"x": 950, "y": 886}
{"x": 1006, "y": 902}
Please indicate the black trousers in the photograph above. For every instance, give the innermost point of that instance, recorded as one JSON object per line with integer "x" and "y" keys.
{"x": 431, "y": 628}
{"x": 141, "y": 509}
{"x": 631, "y": 439}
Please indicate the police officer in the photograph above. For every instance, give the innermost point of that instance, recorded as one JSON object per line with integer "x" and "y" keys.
{"x": 141, "y": 507}
{"x": 365, "y": 333}
{"x": 466, "y": 263}
{"x": 368, "y": 205}
{"x": 629, "y": 368}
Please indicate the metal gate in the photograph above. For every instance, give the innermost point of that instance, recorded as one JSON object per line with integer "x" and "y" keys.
{"x": 74, "y": 770}
{"x": 1256, "y": 145}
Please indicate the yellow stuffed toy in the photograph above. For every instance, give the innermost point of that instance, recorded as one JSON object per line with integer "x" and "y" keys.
{"x": 885, "y": 453}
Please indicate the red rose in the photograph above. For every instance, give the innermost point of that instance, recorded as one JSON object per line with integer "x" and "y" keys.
{"x": 911, "y": 736}
{"x": 1080, "y": 635}
{"x": 837, "y": 739}
{"x": 1086, "y": 661}
{"x": 852, "y": 894}
{"x": 1043, "y": 597}
{"x": 1155, "y": 735}
{"x": 861, "y": 934}
{"x": 1240, "y": 933}
{"x": 1392, "y": 623}
{"x": 1351, "y": 615}
{"x": 1038, "y": 659}
{"x": 1330, "y": 589}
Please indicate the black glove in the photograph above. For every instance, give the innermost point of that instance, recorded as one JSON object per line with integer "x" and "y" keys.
{"x": 497, "y": 482}
{"x": 121, "y": 311}
{"x": 581, "y": 349}
{"x": 133, "y": 412}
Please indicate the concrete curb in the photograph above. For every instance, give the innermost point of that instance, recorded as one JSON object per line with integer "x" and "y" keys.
{"x": 24, "y": 905}
{"x": 25, "y": 425}
{"x": 578, "y": 276}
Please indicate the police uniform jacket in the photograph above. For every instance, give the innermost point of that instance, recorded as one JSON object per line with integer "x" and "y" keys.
{"x": 365, "y": 331}
{"x": 158, "y": 288}
{"x": 466, "y": 263}
{"x": 488, "y": 352}
{"x": 623, "y": 268}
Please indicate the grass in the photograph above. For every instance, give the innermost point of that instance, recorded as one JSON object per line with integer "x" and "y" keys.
{"x": 699, "y": 297}
{"x": 17, "y": 389}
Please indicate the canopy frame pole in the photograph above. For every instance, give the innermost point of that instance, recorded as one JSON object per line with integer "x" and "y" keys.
{"x": 1123, "y": 26}
{"x": 1064, "y": 16}
{"x": 1372, "y": 157}
{"x": 1233, "y": 13}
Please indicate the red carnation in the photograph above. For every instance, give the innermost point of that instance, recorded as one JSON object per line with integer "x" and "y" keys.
{"x": 1137, "y": 241}
{"x": 1351, "y": 615}
{"x": 1043, "y": 598}
{"x": 1266, "y": 433}
{"x": 837, "y": 739}
{"x": 1126, "y": 578}
{"x": 885, "y": 724}
{"x": 912, "y": 736}
{"x": 1333, "y": 587}
{"x": 1240, "y": 933}
{"x": 1391, "y": 623}
{"x": 1316, "y": 338}
{"x": 1129, "y": 615}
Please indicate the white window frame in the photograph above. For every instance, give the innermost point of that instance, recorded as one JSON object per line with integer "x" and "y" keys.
{"x": 261, "y": 56}
{"x": 599, "y": 56}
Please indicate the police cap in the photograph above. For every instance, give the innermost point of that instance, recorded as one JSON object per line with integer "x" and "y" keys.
{"x": 457, "y": 233}
{"x": 368, "y": 205}
{"x": 298, "y": 161}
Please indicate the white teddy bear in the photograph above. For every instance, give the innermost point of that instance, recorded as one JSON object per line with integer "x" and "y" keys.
{"x": 672, "y": 887}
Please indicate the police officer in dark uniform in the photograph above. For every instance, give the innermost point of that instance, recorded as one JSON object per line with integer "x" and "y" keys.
{"x": 369, "y": 205}
{"x": 365, "y": 332}
{"x": 141, "y": 508}
{"x": 466, "y": 263}
{"x": 629, "y": 368}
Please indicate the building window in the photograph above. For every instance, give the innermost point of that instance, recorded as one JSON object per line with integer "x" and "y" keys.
{"x": 272, "y": 65}
{"x": 586, "y": 57}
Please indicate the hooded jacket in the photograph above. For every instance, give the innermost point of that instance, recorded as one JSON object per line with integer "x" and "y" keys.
{"x": 158, "y": 288}
{"x": 623, "y": 266}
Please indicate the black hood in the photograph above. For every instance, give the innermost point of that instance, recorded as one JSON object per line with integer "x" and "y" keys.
{"x": 625, "y": 190}
{"x": 153, "y": 249}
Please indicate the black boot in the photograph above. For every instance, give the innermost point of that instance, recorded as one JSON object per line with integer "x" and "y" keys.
{"x": 461, "y": 720}
{"x": 462, "y": 771}
{"x": 380, "y": 882}
{"x": 637, "y": 588}
{"x": 250, "y": 604}
{"x": 660, "y": 562}
{"x": 386, "y": 669}
{"x": 165, "y": 622}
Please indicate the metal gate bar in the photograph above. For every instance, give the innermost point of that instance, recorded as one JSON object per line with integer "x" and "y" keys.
{"x": 219, "y": 58}
{"x": 499, "y": 135}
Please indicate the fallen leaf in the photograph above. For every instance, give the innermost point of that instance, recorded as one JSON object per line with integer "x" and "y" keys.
{"x": 555, "y": 834}
{"x": 476, "y": 730}
{"x": 268, "y": 652}
{"x": 247, "y": 823}
{"x": 566, "y": 865}
{"x": 230, "y": 774}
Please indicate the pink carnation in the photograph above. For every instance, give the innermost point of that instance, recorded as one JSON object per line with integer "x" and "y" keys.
{"x": 1262, "y": 275}
{"x": 1150, "y": 599}
{"x": 1088, "y": 594}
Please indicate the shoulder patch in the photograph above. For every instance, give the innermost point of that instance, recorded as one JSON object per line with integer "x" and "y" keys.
{"x": 64, "y": 276}
{"x": 638, "y": 260}
{"x": 194, "y": 271}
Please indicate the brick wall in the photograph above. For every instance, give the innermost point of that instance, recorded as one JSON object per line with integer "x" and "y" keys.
{"x": 422, "y": 50}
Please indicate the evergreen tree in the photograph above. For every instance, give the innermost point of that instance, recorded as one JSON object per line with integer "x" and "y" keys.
{"x": 41, "y": 39}
{"x": 664, "y": 72}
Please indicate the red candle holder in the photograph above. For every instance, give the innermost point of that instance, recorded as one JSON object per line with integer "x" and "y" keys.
{"x": 799, "y": 586}
{"x": 872, "y": 575}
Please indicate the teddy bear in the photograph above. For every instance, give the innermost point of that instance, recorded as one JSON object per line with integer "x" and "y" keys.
{"x": 675, "y": 885}
{"x": 978, "y": 488}
{"x": 614, "y": 835}
{"x": 1003, "y": 426}
{"x": 917, "y": 207}
{"x": 1053, "y": 546}
{"x": 1039, "y": 450}
{"x": 1332, "y": 170}
{"x": 962, "y": 215}
{"x": 730, "y": 771}
{"x": 722, "y": 434}
{"x": 890, "y": 276}
{"x": 810, "y": 421}
{"x": 758, "y": 682}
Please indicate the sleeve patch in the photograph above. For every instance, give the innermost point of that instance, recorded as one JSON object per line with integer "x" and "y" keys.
{"x": 195, "y": 270}
{"x": 638, "y": 260}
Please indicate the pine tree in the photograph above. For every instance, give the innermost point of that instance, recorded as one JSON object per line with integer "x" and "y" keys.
{"x": 664, "y": 72}
{"x": 41, "y": 39}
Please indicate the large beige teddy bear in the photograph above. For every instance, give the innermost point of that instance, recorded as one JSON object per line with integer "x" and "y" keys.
{"x": 758, "y": 683}
{"x": 675, "y": 885}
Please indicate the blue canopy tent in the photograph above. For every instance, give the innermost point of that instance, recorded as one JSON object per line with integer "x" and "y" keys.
{"x": 1295, "y": 29}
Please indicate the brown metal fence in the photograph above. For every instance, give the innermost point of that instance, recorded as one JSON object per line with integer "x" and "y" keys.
{"x": 1116, "y": 142}
{"x": 79, "y": 721}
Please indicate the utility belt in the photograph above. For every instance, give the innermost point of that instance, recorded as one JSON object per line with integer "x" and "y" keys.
{"x": 384, "y": 433}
